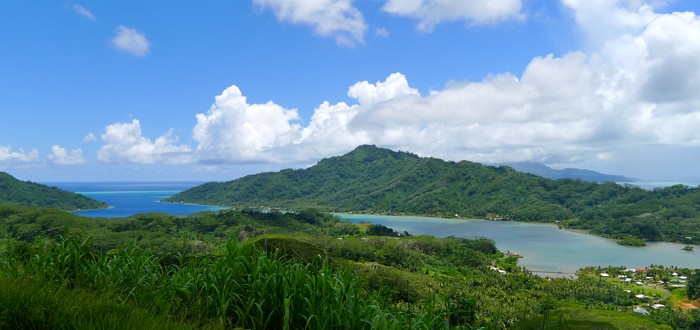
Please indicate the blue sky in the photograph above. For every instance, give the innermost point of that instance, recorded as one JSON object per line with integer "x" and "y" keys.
{"x": 213, "y": 90}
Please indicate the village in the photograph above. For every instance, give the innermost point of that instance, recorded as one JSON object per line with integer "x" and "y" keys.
{"x": 654, "y": 287}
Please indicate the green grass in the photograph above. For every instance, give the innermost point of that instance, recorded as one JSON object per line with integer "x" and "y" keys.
{"x": 574, "y": 318}
{"x": 67, "y": 284}
{"x": 26, "y": 303}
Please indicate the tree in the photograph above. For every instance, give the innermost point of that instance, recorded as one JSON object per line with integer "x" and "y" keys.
{"x": 694, "y": 285}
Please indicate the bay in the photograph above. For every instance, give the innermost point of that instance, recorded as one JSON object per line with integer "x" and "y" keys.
{"x": 546, "y": 248}
{"x": 130, "y": 198}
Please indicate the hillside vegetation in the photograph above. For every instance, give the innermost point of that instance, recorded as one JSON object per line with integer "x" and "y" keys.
{"x": 376, "y": 180}
{"x": 253, "y": 270}
{"x": 13, "y": 191}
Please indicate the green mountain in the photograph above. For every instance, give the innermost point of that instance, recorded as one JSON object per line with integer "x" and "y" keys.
{"x": 567, "y": 173}
{"x": 13, "y": 191}
{"x": 376, "y": 180}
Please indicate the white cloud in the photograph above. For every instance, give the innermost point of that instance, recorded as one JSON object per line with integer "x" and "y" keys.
{"x": 124, "y": 143}
{"x": 475, "y": 12}
{"x": 7, "y": 154}
{"x": 382, "y": 32}
{"x": 131, "y": 41}
{"x": 82, "y": 11}
{"x": 61, "y": 156}
{"x": 337, "y": 19}
{"x": 561, "y": 110}
{"x": 605, "y": 20}
{"x": 9, "y": 157}
{"x": 233, "y": 130}
{"x": 395, "y": 86}
{"x": 670, "y": 64}
{"x": 89, "y": 138}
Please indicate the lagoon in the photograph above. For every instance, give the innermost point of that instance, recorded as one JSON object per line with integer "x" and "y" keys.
{"x": 545, "y": 247}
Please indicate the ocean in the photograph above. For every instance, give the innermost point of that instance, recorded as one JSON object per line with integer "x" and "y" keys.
{"x": 130, "y": 198}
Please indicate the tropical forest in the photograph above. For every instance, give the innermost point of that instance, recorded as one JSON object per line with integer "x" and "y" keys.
{"x": 293, "y": 263}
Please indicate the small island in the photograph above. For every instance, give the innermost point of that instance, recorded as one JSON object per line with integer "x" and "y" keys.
{"x": 688, "y": 248}
{"x": 632, "y": 241}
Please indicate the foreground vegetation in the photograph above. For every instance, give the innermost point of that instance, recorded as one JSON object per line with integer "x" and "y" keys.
{"x": 13, "y": 191}
{"x": 375, "y": 180}
{"x": 239, "y": 268}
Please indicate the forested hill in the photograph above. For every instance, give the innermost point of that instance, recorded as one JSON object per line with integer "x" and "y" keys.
{"x": 371, "y": 179}
{"x": 567, "y": 173}
{"x": 13, "y": 191}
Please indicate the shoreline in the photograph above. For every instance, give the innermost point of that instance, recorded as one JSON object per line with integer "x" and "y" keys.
{"x": 221, "y": 207}
{"x": 573, "y": 230}
{"x": 97, "y": 209}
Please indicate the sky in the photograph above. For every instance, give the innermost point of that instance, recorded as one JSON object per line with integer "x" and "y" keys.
{"x": 214, "y": 90}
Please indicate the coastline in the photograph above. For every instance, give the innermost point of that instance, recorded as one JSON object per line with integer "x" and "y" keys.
{"x": 96, "y": 209}
{"x": 221, "y": 207}
{"x": 558, "y": 225}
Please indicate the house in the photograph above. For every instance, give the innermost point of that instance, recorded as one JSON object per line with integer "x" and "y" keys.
{"x": 640, "y": 296}
{"x": 641, "y": 311}
{"x": 658, "y": 306}
{"x": 604, "y": 275}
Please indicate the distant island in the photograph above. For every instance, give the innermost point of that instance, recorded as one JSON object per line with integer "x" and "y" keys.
{"x": 381, "y": 181}
{"x": 14, "y": 191}
{"x": 567, "y": 173}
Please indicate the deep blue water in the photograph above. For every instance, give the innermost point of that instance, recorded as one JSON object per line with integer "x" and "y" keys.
{"x": 129, "y": 198}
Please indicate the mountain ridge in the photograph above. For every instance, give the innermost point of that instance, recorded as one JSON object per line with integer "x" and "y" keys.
{"x": 381, "y": 181}
{"x": 545, "y": 171}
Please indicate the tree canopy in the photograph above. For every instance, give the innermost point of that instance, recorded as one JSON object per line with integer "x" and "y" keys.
{"x": 13, "y": 191}
{"x": 376, "y": 180}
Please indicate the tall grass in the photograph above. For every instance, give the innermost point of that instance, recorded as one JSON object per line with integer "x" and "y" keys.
{"x": 242, "y": 287}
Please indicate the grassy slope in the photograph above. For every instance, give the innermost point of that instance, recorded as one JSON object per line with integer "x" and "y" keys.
{"x": 421, "y": 277}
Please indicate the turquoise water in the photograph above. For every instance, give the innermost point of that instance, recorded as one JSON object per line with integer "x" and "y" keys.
{"x": 545, "y": 247}
{"x": 129, "y": 198}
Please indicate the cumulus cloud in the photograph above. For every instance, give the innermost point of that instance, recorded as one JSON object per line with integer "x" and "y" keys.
{"x": 639, "y": 88}
{"x": 9, "y": 156}
{"x": 561, "y": 110}
{"x": 236, "y": 131}
{"x": 82, "y": 11}
{"x": 124, "y": 143}
{"x": 605, "y": 20}
{"x": 433, "y": 12}
{"x": 61, "y": 156}
{"x": 89, "y": 138}
{"x": 131, "y": 41}
{"x": 670, "y": 64}
{"x": 337, "y": 19}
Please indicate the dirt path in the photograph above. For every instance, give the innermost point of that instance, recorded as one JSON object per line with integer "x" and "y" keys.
{"x": 667, "y": 294}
